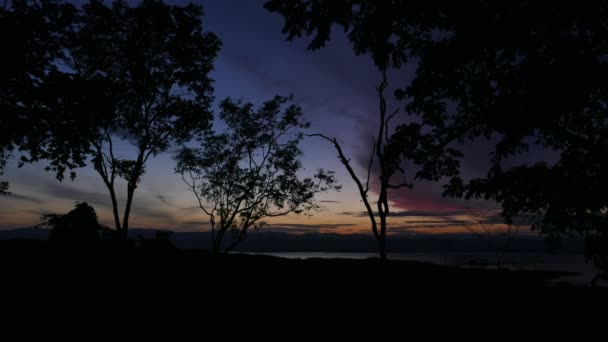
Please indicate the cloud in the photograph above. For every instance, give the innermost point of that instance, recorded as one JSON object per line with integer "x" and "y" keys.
{"x": 144, "y": 208}
{"x": 39, "y": 212}
{"x": 289, "y": 228}
{"x": 194, "y": 223}
{"x": 425, "y": 196}
{"x": 189, "y": 208}
{"x": 436, "y": 225}
{"x": 146, "y": 212}
{"x": 411, "y": 213}
{"x": 64, "y": 191}
{"x": 164, "y": 200}
{"x": 309, "y": 226}
{"x": 297, "y": 231}
{"x": 255, "y": 69}
{"x": 24, "y": 198}
{"x": 296, "y": 228}
{"x": 442, "y": 222}
{"x": 424, "y": 213}
{"x": 349, "y": 114}
{"x": 421, "y": 219}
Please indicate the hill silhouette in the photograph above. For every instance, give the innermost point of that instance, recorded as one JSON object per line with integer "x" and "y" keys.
{"x": 276, "y": 242}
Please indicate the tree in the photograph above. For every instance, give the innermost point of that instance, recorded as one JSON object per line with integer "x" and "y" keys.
{"x": 136, "y": 74}
{"x": 79, "y": 225}
{"x": 519, "y": 74}
{"x": 250, "y": 172}
{"x": 28, "y": 52}
{"x": 4, "y": 188}
{"x": 539, "y": 84}
{"x": 531, "y": 75}
{"x": 431, "y": 158}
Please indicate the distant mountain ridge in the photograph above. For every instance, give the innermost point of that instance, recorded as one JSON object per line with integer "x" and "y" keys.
{"x": 276, "y": 242}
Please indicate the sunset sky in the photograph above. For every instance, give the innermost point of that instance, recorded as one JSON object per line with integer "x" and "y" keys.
{"x": 336, "y": 90}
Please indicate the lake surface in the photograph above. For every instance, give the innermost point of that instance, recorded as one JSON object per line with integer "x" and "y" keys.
{"x": 575, "y": 263}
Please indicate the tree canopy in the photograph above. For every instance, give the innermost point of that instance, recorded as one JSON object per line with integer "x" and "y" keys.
{"x": 251, "y": 171}
{"x": 132, "y": 74}
{"x": 369, "y": 27}
{"x": 29, "y": 47}
{"x": 519, "y": 73}
{"x": 78, "y": 225}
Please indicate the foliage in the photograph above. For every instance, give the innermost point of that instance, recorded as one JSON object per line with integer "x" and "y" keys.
{"x": 4, "y": 188}
{"x": 521, "y": 74}
{"x": 79, "y": 225}
{"x": 27, "y": 54}
{"x": 132, "y": 74}
{"x": 370, "y": 28}
{"x": 251, "y": 171}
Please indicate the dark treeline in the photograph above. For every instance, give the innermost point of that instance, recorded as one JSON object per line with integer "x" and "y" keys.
{"x": 266, "y": 241}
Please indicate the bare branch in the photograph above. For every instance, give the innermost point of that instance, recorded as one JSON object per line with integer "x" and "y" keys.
{"x": 192, "y": 187}
{"x": 112, "y": 158}
{"x": 353, "y": 175}
{"x": 388, "y": 119}
{"x": 369, "y": 166}
{"x": 399, "y": 186}
{"x": 382, "y": 101}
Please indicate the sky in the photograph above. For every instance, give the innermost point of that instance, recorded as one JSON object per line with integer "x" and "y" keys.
{"x": 336, "y": 91}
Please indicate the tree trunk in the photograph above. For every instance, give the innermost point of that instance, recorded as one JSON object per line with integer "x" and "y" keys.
{"x": 110, "y": 185}
{"x": 115, "y": 208}
{"x": 217, "y": 242}
{"x": 383, "y": 209}
{"x": 381, "y": 237}
{"x": 125, "y": 220}
{"x": 239, "y": 239}
{"x": 382, "y": 249}
{"x": 131, "y": 186}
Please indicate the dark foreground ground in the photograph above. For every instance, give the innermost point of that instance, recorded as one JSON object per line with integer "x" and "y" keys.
{"x": 119, "y": 283}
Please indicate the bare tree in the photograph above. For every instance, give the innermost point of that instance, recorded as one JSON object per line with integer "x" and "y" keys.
{"x": 387, "y": 170}
{"x": 429, "y": 155}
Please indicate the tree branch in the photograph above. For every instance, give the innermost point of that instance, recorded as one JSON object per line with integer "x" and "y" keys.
{"x": 369, "y": 166}
{"x": 399, "y": 186}
{"x": 386, "y": 125}
{"x": 362, "y": 191}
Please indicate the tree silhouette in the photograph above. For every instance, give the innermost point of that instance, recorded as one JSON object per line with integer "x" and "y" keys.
{"x": 533, "y": 76}
{"x": 518, "y": 73}
{"x": 4, "y": 188}
{"x": 250, "y": 172}
{"x": 131, "y": 74}
{"x": 431, "y": 157}
{"x": 28, "y": 53}
{"x": 79, "y": 225}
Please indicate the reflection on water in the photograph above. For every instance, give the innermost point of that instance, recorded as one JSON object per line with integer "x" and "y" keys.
{"x": 574, "y": 263}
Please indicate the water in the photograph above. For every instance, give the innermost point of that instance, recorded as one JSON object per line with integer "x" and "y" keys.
{"x": 573, "y": 263}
